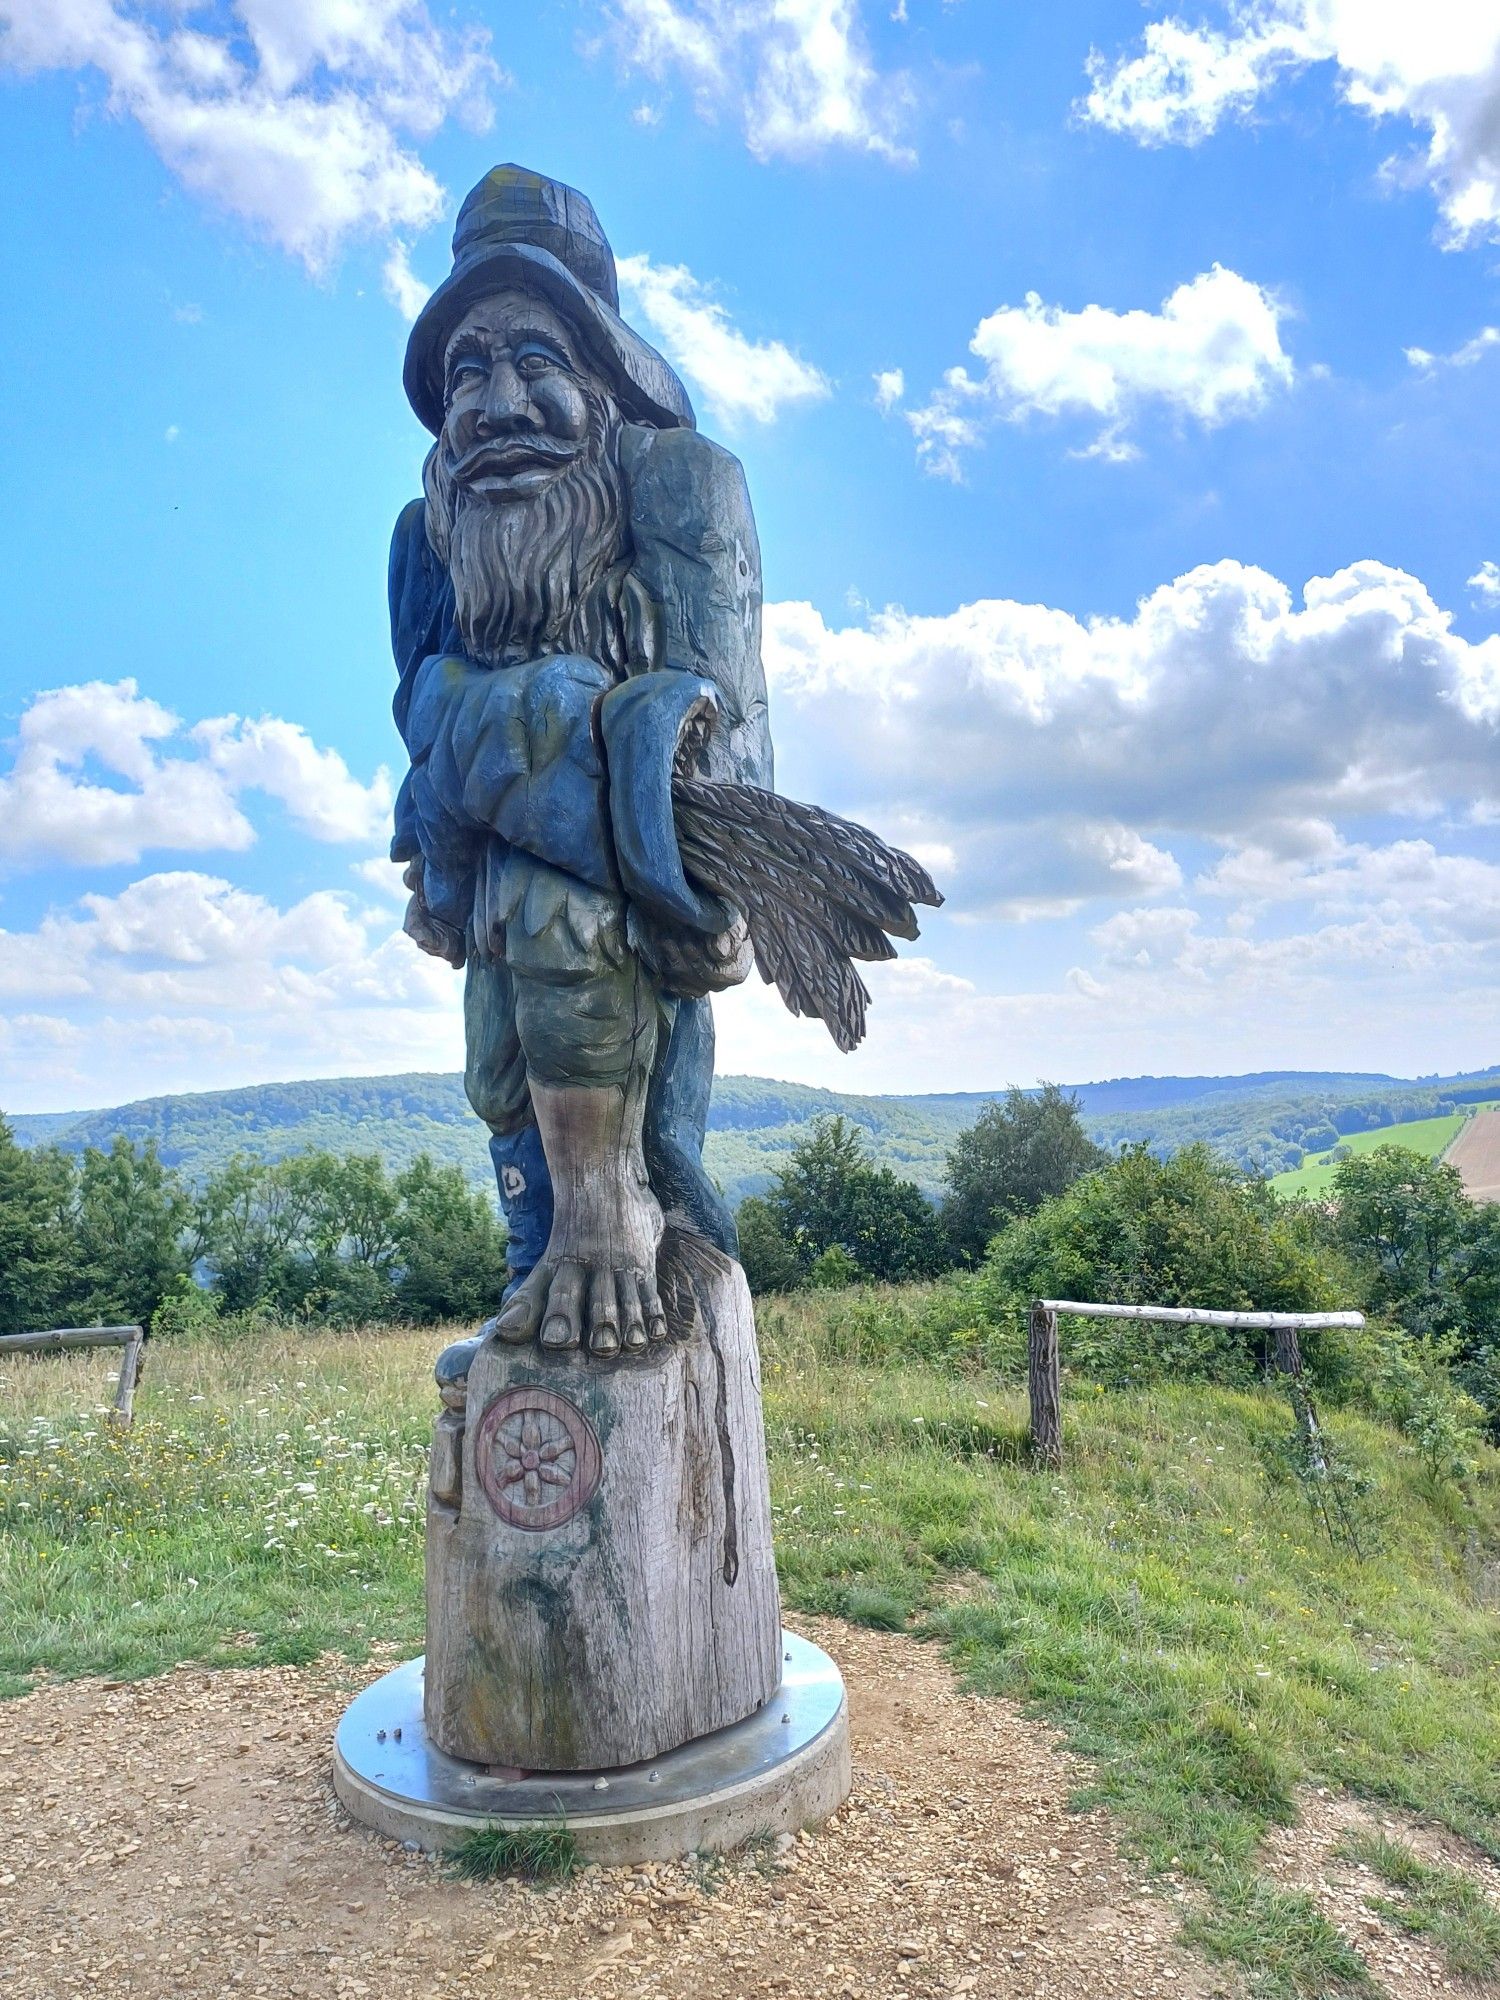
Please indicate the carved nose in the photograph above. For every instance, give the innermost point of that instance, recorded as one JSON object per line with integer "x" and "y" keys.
{"x": 507, "y": 407}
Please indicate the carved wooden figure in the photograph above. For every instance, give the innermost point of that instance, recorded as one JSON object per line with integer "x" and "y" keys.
{"x": 590, "y": 834}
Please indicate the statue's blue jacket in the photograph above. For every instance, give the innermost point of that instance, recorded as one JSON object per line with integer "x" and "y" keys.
{"x": 520, "y": 754}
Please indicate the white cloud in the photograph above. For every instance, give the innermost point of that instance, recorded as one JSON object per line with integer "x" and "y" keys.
{"x": 1048, "y": 867}
{"x": 1188, "y": 80}
{"x": 280, "y": 759}
{"x": 183, "y": 980}
{"x": 1436, "y": 66}
{"x": 61, "y": 799}
{"x": 1368, "y": 976}
{"x": 406, "y": 291}
{"x": 797, "y": 73}
{"x": 1220, "y": 709}
{"x": 1452, "y": 896}
{"x": 890, "y": 387}
{"x": 384, "y": 876}
{"x": 1159, "y": 991}
{"x": 741, "y": 378}
{"x": 950, "y": 422}
{"x": 293, "y": 115}
{"x": 1212, "y": 352}
{"x": 1488, "y": 337}
{"x": 1485, "y": 582}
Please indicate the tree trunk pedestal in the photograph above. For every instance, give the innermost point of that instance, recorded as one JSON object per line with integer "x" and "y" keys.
{"x": 603, "y": 1627}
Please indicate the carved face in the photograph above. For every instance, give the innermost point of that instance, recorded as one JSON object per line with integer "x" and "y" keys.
{"x": 516, "y": 398}
{"x": 525, "y": 501}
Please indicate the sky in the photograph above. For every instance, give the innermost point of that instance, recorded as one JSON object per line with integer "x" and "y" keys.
{"x": 1119, "y": 393}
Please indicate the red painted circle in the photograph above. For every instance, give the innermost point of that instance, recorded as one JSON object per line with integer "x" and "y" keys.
{"x": 538, "y": 1457}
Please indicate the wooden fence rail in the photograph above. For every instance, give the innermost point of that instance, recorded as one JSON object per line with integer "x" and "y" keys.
{"x": 1045, "y": 1360}
{"x": 131, "y": 1338}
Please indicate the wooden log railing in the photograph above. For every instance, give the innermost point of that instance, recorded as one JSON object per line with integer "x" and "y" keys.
{"x": 131, "y": 1338}
{"x": 1045, "y": 1360}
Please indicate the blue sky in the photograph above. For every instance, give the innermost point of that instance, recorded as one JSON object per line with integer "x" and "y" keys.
{"x": 1118, "y": 394}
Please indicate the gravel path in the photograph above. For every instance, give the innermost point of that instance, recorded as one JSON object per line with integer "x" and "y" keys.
{"x": 1305, "y": 1856}
{"x": 177, "y": 1837}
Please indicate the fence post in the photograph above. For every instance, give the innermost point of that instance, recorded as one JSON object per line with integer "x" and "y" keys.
{"x": 1288, "y": 1352}
{"x": 130, "y": 1370}
{"x": 1046, "y": 1388}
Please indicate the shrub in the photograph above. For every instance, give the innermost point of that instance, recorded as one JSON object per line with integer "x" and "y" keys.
{"x": 1190, "y": 1230}
{"x": 842, "y": 1217}
{"x": 186, "y": 1313}
{"x": 770, "y": 1263}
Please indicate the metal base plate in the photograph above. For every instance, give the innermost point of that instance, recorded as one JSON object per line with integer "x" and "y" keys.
{"x": 785, "y": 1767}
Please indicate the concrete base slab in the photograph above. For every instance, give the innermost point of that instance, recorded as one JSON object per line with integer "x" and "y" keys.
{"x": 783, "y": 1768}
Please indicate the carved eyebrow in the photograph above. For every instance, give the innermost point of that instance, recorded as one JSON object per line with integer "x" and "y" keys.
{"x": 471, "y": 342}
{"x": 539, "y": 336}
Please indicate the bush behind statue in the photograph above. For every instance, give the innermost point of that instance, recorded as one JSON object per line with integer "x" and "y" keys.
{"x": 1191, "y": 1230}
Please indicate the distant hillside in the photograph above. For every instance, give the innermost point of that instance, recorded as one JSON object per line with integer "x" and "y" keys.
{"x": 1266, "y": 1121}
{"x": 1271, "y": 1125}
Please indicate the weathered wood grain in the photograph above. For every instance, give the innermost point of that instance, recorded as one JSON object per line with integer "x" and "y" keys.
{"x": 1045, "y": 1384}
{"x": 68, "y": 1336}
{"x": 60, "y": 1339}
{"x": 1201, "y": 1315}
{"x": 649, "y": 1616}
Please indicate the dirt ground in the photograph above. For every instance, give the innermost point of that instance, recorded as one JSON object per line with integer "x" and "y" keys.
{"x": 1476, "y": 1154}
{"x": 178, "y": 1837}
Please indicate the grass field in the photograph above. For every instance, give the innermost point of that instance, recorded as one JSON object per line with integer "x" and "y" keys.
{"x": 1428, "y": 1136}
{"x": 1171, "y": 1599}
{"x": 1476, "y": 1155}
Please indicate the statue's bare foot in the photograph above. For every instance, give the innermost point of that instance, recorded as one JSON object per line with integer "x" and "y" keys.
{"x": 596, "y": 1286}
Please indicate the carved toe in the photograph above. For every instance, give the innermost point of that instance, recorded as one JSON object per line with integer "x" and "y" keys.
{"x": 563, "y": 1325}
{"x": 517, "y": 1319}
{"x": 632, "y": 1319}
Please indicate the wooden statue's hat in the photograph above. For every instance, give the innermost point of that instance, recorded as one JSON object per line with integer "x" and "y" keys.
{"x": 518, "y": 227}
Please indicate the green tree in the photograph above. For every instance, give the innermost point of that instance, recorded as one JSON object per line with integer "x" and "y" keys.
{"x": 35, "y": 1190}
{"x": 770, "y": 1263}
{"x": 254, "y": 1228}
{"x": 451, "y": 1245}
{"x": 1405, "y": 1219}
{"x": 130, "y": 1228}
{"x": 830, "y": 1196}
{"x": 1019, "y": 1152}
{"x": 1428, "y": 1257}
{"x": 1191, "y": 1230}
{"x": 352, "y": 1235}
{"x": 336, "y": 1238}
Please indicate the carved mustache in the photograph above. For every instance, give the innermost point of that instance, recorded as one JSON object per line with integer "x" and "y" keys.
{"x": 506, "y": 454}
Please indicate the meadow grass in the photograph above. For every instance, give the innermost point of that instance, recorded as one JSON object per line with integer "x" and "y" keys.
{"x": 1170, "y": 1600}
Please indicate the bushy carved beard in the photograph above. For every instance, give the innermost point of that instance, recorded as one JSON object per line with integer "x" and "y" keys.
{"x": 541, "y": 573}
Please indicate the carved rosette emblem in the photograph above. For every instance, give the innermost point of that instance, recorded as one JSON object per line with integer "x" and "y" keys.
{"x": 538, "y": 1458}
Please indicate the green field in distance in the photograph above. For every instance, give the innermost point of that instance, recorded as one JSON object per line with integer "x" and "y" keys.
{"x": 1428, "y": 1136}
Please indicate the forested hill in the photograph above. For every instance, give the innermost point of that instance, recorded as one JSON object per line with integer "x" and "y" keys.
{"x": 1264, "y": 1121}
